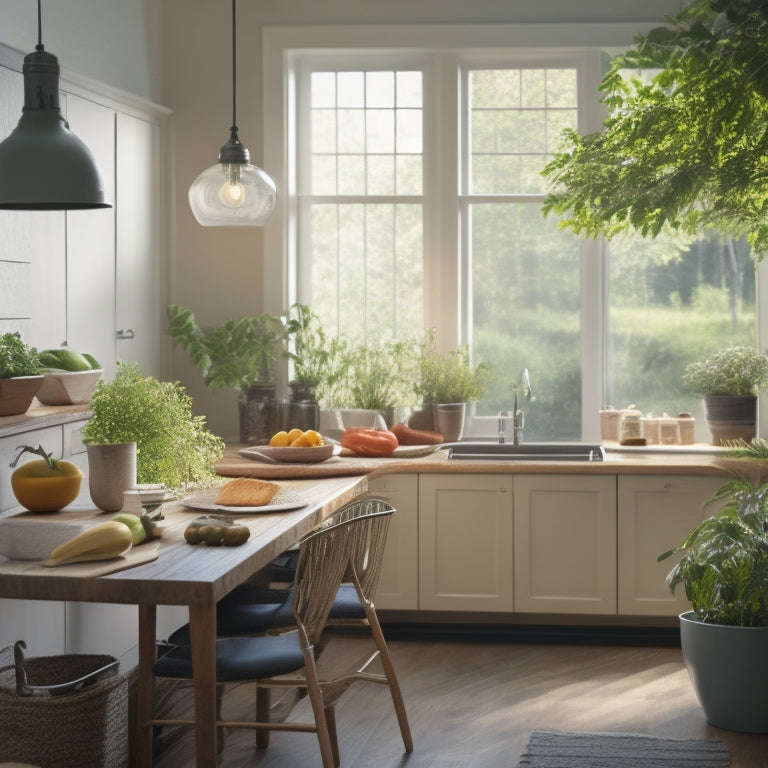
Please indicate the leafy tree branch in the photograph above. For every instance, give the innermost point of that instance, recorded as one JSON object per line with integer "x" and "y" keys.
{"x": 685, "y": 149}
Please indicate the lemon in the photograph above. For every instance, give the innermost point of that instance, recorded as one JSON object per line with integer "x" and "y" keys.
{"x": 280, "y": 440}
{"x": 315, "y": 438}
{"x": 294, "y": 434}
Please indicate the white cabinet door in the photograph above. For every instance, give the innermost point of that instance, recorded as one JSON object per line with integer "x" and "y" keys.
{"x": 655, "y": 514}
{"x": 91, "y": 244}
{"x": 465, "y": 542}
{"x": 138, "y": 284}
{"x": 399, "y": 580}
{"x": 32, "y": 279}
{"x": 565, "y": 544}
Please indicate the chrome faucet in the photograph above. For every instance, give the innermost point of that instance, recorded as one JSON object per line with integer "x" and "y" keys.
{"x": 524, "y": 390}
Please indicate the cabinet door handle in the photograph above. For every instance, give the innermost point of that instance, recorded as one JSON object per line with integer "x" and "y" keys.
{"x": 129, "y": 334}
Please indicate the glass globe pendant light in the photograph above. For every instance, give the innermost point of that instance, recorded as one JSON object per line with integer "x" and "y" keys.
{"x": 43, "y": 165}
{"x": 233, "y": 192}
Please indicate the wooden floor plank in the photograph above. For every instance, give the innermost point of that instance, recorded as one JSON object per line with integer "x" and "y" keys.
{"x": 473, "y": 705}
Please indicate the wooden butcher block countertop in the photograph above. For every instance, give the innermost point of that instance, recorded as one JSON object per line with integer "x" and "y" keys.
{"x": 694, "y": 460}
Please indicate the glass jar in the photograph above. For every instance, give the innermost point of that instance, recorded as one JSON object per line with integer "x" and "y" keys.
{"x": 631, "y": 432}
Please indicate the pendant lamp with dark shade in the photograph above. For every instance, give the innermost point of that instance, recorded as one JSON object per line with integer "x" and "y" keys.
{"x": 233, "y": 192}
{"x": 43, "y": 165}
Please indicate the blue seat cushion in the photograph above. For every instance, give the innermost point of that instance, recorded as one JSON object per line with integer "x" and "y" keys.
{"x": 251, "y": 610}
{"x": 239, "y": 658}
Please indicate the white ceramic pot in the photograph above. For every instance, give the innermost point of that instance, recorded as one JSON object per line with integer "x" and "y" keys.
{"x": 111, "y": 470}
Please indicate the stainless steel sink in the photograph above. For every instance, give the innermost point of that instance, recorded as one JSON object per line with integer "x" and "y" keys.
{"x": 489, "y": 451}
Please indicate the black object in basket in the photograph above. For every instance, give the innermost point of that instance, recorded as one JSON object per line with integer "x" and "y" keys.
{"x": 68, "y": 711}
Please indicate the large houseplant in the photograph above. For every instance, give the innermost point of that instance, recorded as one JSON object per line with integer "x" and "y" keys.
{"x": 20, "y": 374}
{"x": 723, "y": 566}
{"x": 242, "y": 354}
{"x": 729, "y": 381}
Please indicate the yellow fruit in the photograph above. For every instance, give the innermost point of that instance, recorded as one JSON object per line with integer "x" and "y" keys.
{"x": 102, "y": 542}
{"x": 280, "y": 440}
{"x": 315, "y": 438}
{"x": 294, "y": 435}
{"x": 45, "y": 485}
{"x": 302, "y": 441}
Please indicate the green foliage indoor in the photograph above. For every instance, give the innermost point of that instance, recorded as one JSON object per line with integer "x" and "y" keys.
{"x": 724, "y": 560}
{"x": 448, "y": 378}
{"x": 16, "y": 358}
{"x": 237, "y": 354}
{"x": 315, "y": 354}
{"x": 737, "y": 370}
{"x": 684, "y": 149}
{"x": 172, "y": 446}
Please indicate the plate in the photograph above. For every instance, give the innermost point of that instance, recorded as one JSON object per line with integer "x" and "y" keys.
{"x": 283, "y": 500}
{"x": 289, "y": 455}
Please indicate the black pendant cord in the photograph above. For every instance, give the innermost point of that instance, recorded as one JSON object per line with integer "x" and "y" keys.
{"x": 234, "y": 67}
{"x": 39, "y": 26}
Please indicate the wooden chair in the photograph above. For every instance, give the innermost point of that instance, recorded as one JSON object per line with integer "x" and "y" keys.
{"x": 347, "y": 546}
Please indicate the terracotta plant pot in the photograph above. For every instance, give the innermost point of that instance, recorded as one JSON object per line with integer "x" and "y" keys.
{"x": 16, "y": 394}
{"x": 731, "y": 417}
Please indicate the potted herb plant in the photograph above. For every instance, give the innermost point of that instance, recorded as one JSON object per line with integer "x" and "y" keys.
{"x": 241, "y": 354}
{"x": 729, "y": 381}
{"x": 20, "y": 374}
{"x": 316, "y": 368}
{"x": 377, "y": 380}
{"x": 723, "y": 566}
{"x": 445, "y": 384}
{"x": 171, "y": 446}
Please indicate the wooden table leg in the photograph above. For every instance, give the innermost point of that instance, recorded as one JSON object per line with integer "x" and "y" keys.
{"x": 147, "y": 652}
{"x": 202, "y": 627}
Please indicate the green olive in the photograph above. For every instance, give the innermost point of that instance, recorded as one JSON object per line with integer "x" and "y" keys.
{"x": 236, "y": 535}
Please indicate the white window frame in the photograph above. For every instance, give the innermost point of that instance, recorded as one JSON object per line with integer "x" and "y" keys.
{"x": 445, "y": 46}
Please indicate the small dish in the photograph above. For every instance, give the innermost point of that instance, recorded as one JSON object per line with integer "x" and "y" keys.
{"x": 289, "y": 455}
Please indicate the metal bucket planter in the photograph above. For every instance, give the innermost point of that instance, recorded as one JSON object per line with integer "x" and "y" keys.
{"x": 731, "y": 417}
{"x": 728, "y": 667}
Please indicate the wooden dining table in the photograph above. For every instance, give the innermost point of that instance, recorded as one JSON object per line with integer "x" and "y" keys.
{"x": 186, "y": 575}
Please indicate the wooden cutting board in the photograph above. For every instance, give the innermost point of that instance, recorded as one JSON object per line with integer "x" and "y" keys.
{"x": 144, "y": 553}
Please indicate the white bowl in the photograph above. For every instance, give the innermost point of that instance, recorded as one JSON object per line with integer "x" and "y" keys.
{"x": 68, "y": 387}
{"x": 25, "y": 539}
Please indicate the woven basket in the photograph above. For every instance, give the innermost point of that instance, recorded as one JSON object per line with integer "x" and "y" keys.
{"x": 87, "y": 728}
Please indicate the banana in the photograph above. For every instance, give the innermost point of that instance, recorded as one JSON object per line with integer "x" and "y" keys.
{"x": 102, "y": 542}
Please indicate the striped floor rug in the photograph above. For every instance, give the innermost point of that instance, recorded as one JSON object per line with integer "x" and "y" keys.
{"x": 558, "y": 749}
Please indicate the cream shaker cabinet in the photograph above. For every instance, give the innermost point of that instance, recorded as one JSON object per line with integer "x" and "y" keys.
{"x": 399, "y": 580}
{"x": 565, "y": 544}
{"x": 655, "y": 513}
{"x": 465, "y": 542}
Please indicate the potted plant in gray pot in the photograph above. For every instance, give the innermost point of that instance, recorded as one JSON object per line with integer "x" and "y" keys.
{"x": 315, "y": 361}
{"x": 729, "y": 381}
{"x": 20, "y": 374}
{"x": 242, "y": 354}
{"x": 446, "y": 383}
{"x": 723, "y": 566}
